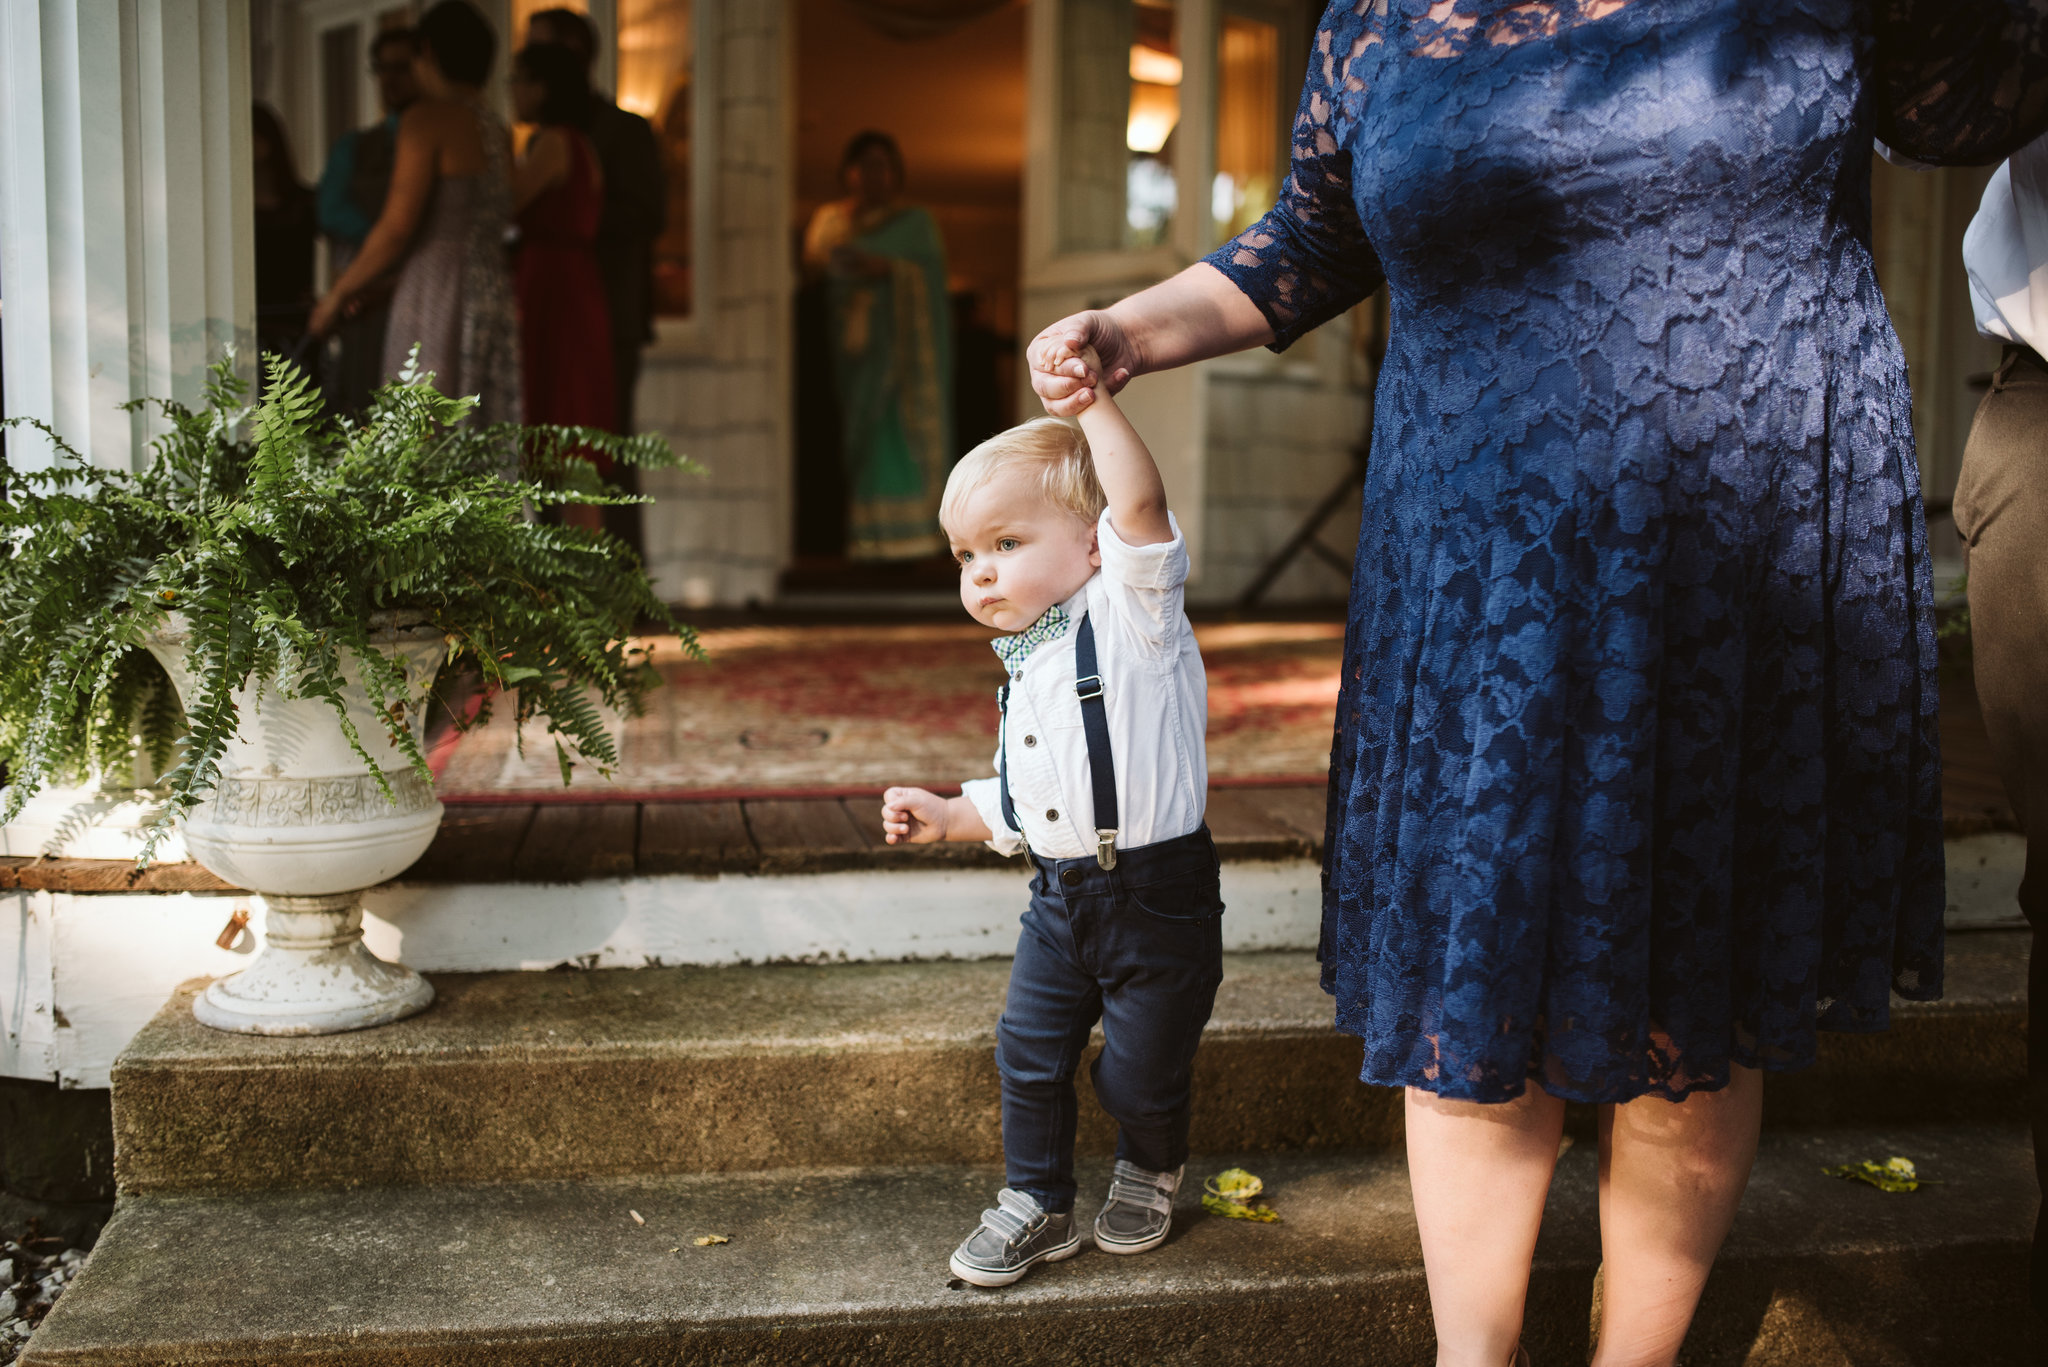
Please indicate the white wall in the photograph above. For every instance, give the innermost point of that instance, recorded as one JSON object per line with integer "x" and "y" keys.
{"x": 1280, "y": 433}
{"x": 79, "y": 975}
{"x": 718, "y": 385}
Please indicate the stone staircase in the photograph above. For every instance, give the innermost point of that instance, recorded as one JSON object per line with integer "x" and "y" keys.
{"x": 521, "y": 1175}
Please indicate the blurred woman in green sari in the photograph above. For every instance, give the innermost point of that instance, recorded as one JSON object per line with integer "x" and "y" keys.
{"x": 885, "y": 269}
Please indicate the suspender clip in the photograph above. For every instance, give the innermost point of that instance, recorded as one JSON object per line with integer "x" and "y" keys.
{"x": 1105, "y": 848}
{"x": 1088, "y": 686}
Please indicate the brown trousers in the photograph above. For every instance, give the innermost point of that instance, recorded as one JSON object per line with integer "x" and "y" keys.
{"x": 2001, "y": 509}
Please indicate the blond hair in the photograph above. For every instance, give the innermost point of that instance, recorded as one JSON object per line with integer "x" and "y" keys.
{"x": 1052, "y": 450}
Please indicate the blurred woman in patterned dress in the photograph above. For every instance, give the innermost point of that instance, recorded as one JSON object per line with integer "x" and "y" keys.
{"x": 445, "y": 217}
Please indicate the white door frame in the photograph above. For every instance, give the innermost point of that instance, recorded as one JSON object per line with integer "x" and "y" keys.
{"x": 1169, "y": 408}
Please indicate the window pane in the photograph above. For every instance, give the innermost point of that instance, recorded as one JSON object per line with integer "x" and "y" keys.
{"x": 654, "y": 82}
{"x": 1120, "y": 104}
{"x": 1248, "y": 117}
{"x": 1150, "y": 194}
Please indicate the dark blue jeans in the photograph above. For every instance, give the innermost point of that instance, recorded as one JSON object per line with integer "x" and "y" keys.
{"x": 1138, "y": 947}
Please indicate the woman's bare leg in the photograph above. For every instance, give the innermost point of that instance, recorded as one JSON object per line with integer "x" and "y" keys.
{"x": 1671, "y": 1175}
{"x": 1480, "y": 1173}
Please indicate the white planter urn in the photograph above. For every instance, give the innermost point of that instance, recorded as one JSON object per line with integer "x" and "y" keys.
{"x": 299, "y": 818}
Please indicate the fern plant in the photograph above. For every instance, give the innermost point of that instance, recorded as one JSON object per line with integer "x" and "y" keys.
{"x": 287, "y": 541}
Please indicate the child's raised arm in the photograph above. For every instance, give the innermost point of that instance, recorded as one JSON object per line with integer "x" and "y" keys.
{"x": 1129, "y": 476}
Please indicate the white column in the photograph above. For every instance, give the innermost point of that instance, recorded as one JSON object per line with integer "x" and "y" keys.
{"x": 127, "y": 259}
{"x": 127, "y": 248}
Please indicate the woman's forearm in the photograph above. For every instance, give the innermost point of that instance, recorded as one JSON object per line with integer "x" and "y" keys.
{"x": 413, "y": 174}
{"x": 1190, "y": 317}
{"x": 381, "y": 250}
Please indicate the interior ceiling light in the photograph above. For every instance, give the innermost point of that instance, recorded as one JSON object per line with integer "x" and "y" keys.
{"x": 1151, "y": 65}
{"x": 1155, "y": 109}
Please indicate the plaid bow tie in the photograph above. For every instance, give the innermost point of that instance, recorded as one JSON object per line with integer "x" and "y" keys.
{"x": 1012, "y": 650}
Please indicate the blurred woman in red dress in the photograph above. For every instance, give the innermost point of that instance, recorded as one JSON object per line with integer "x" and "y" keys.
{"x": 558, "y": 192}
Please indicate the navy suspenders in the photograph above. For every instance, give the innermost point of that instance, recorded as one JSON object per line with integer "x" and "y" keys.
{"x": 1095, "y": 725}
{"x": 1095, "y": 728}
{"x": 1003, "y": 760}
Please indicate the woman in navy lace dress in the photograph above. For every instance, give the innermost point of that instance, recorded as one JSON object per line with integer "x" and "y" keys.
{"x": 1635, "y": 781}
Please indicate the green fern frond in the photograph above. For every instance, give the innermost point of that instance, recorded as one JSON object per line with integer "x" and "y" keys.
{"x": 276, "y": 532}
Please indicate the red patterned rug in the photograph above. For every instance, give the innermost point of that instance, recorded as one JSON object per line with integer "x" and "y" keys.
{"x": 836, "y": 711}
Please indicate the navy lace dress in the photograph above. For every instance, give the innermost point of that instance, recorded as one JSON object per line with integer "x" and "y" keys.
{"x": 1635, "y": 771}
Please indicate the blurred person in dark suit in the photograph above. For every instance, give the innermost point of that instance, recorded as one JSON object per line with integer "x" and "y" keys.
{"x": 351, "y": 196}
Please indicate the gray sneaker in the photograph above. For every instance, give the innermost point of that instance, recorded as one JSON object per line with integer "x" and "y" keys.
{"x": 1139, "y": 1212}
{"x": 1013, "y": 1238}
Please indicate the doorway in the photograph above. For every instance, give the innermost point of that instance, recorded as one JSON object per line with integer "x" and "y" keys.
{"x": 951, "y": 92}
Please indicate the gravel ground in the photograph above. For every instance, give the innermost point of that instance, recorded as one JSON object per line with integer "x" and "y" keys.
{"x": 33, "y": 1272}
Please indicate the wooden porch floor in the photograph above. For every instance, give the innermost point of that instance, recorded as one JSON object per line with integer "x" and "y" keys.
{"x": 571, "y": 841}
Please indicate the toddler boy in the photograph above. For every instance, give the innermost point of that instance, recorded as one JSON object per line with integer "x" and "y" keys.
{"x": 1102, "y": 777}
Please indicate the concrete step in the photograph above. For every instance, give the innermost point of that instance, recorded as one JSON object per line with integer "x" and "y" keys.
{"x": 534, "y": 1076}
{"x": 849, "y": 1267}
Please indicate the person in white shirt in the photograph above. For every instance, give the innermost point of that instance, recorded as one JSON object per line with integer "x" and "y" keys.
{"x": 1064, "y": 538}
{"x": 2001, "y": 510}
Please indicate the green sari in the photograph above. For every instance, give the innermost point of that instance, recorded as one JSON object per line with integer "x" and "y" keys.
{"x": 892, "y": 354}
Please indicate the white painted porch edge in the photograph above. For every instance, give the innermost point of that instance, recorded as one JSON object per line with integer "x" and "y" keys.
{"x": 81, "y": 973}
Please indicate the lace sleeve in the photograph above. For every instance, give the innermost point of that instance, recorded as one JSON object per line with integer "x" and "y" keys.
{"x": 1308, "y": 259}
{"x": 1961, "y": 82}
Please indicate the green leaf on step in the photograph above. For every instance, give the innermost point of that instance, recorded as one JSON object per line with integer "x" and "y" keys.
{"x": 1234, "y": 1210}
{"x": 1229, "y": 1194}
{"x": 1894, "y": 1174}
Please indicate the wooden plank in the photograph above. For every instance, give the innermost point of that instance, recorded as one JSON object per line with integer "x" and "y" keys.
{"x": 18, "y": 873}
{"x": 573, "y": 841}
{"x": 805, "y": 834}
{"x": 475, "y": 845}
{"x": 695, "y": 837}
{"x": 1245, "y": 830}
{"x": 1301, "y": 809}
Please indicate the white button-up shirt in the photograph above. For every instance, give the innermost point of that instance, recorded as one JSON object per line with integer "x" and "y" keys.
{"x": 1156, "y": 696}
{"x": 2005, "y": 251}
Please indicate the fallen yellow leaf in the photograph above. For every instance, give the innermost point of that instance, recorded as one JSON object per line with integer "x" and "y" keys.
{"x": 1229, "y": 1194}
{"x": 1894, "y": 1174}
{"x": 1234, "y": 1184}
{"x": 1233, "y": 1210}
{"x": 706, "y": 1240}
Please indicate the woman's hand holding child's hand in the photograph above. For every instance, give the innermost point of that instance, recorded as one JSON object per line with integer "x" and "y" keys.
{"x": 1065, "y": 383}
{"x": 912, "y": 816}
{"x": 1080, "y": 364}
